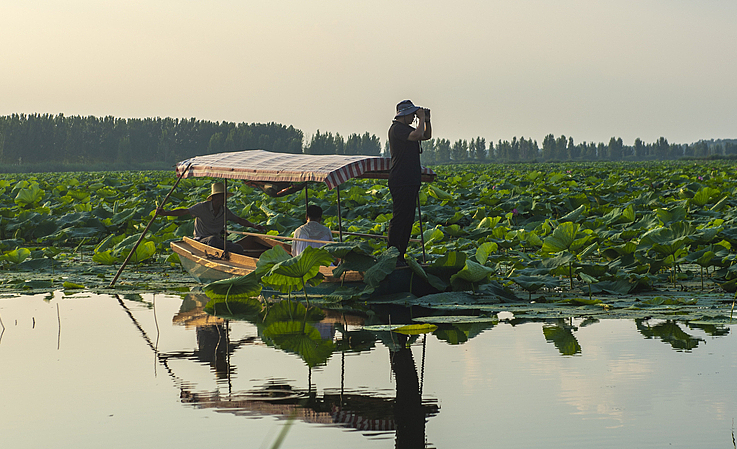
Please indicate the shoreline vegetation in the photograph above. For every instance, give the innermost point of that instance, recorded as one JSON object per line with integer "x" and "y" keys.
{"x": 76, "y": 143}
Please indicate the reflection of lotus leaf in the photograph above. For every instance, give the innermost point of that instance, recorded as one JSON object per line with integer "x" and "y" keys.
{"x": 301, "y": 339}
{"x": 670, "y": 333}
{"x": 563, "y": 339}
{"x": 247, "y": 309}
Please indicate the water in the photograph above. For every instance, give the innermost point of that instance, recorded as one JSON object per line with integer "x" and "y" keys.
{"x": 90, "y": 371}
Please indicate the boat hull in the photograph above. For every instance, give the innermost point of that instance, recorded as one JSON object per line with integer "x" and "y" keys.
{"x": 206, "y": 264}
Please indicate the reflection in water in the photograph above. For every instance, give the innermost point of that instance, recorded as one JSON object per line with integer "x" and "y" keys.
{"x": 311, "y": 334}
{"x": 561, "y": 335}
{"x": 409, "y": 413}
{"x": 316, "y": 336}
{"x": 670, "y": 332}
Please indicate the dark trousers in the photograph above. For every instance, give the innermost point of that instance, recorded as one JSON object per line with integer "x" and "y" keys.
{"x": 404, "y": 200}
{"x": 216, "y": 242}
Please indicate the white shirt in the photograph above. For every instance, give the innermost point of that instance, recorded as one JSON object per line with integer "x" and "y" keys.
{"x": 312, "y": 230}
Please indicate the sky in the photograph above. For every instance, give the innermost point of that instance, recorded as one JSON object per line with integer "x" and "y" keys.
{"x": 587, "y": 69}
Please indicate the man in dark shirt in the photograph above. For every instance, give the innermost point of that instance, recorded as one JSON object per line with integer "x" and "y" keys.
{"x": 209, "y": 219}
{"x": 405, "y": 171}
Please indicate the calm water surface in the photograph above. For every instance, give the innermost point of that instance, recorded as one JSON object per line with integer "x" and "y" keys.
{"x": 90, "y": 371}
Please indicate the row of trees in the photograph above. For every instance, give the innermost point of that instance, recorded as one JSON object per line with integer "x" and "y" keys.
{"x": 57, "y": 138}
{"x": 441, "y": 151}
{"x": 327, "y": 143}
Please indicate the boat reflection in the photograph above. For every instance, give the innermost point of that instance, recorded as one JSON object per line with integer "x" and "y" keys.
{"x": 314, "y": 335}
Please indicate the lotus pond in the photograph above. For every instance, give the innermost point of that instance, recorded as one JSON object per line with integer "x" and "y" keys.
{"x": 581, "y": 305}
{"x": 89, "y": 370}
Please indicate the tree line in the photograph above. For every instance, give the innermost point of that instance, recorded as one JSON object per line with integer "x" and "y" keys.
{"x": 32, "y": 138}
{"x": 442, "y": 151}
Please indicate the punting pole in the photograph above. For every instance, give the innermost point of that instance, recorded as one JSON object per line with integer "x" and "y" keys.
{"x": 143, "y": 234}
{"x": 340, "y": 218}
{"x": 422, "y": 234}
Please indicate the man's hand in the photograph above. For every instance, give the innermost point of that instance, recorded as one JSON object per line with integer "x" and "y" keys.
{"x": 421, "y": 114}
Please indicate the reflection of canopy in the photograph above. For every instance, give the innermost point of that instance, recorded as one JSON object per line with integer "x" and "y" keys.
{"x": 260, "y": 165}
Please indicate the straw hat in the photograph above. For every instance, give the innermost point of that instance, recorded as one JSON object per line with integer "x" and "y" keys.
{"x": 216, "y": 189}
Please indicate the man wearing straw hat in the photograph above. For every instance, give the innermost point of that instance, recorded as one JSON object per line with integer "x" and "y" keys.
{"x": 405, "y": 171}
{"x": 209, "y": 220}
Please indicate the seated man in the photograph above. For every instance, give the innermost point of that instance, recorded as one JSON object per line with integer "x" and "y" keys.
{"x": 312, "y": 230}
{"x": 209, "y": 220}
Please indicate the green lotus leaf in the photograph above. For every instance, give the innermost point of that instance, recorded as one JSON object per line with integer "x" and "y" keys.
{"x": 534, "y": 283}
{"x": 473, "y": 273}
{"x": 385, "y": 265}
{"x": 433, "y": 235}
{"x": 306, "y": 265}
{"x": 270, "y": 258}
{"x": 416, "y": 329}
{"x": 233, "y": 288}
{"x": 705, "y": 196}
{"x": 433, "y": 280}
{"x": 483, "y": 251}
{"x": 38, "y": 283}
{"x": 438, "y": 193}
{"x": 17, "y": 255}
{"x": 143, "y": 251}
{"x": 489, "y": 222}
{"x": 105, "y": 257}
{"x": 30, "y": 195}
{"x": 573, "y": 215}
{"x": 562, "y": 238}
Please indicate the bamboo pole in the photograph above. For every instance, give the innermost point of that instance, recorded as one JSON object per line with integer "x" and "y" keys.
{"x": 278, "y": 237}
{"x": 143, "y": 234}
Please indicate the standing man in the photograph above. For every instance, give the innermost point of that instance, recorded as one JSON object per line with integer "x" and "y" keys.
{"x": 312, "y": 230}
{"x": 405, "y": 171}
{"x": 209, "y": 220}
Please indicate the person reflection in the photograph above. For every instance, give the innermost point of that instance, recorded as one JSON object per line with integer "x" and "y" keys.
{"x": 212, "y": 348}
{"x": 409, "y": 414}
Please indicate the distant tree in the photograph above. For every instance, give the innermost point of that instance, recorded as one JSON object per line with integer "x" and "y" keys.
{"x": 700, "y": 149}
{"x": 561, "y": 148}
{"x": 459, "y": 151}
{"x": 614, "y": 149}
{"x": 548, "y": 152}
{"x": 442, "y": 151}
{"x": 639, "y": 149}
{"x": 574, "y": 152}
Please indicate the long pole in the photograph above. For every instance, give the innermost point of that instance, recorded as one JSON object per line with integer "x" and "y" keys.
{"x": 340, "y": 218}
{"x": 143, "y": 234}
{"x": 225, "y": 218}
{"x": 422, "y": 234}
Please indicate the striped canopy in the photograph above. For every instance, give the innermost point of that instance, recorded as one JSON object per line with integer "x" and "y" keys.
{"x": 260, "y": 165}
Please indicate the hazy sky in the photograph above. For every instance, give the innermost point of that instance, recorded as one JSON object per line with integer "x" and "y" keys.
{"x": 496, "y": 69}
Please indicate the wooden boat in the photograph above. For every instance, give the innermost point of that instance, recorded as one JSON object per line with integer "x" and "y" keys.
{"x": 287, "y": 171}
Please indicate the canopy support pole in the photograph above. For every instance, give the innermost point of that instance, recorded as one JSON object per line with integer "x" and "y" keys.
{"x": 340, "y": 218}
{"x": 422, "y": 234}
{"x": 225, "y": 218}
{"x": 143, "y": 234}
{"x": 307, "y": 202}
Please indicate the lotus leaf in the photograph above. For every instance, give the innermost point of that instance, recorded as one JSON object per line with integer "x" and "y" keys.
{"x": 29, "y": 196}
{"x": 237, "y": 287}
